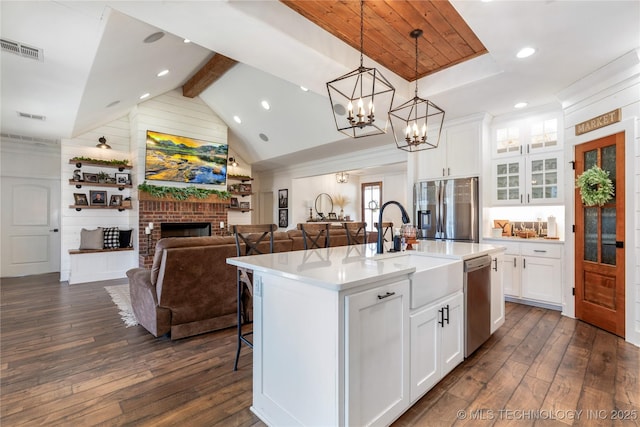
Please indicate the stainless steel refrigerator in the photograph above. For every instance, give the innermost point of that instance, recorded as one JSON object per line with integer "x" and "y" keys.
{"x": 447, "y": 209}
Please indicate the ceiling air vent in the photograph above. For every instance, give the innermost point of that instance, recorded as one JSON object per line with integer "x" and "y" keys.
{"x": 22, "y": 50}
{"x": 32, "y": 116}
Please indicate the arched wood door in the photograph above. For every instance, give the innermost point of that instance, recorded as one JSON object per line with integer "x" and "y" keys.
{"x": 600, "y": 278}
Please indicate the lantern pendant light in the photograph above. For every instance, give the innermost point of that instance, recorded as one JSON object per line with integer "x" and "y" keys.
{"x": 417, "y": 124}
{"x": 357, "y": 96}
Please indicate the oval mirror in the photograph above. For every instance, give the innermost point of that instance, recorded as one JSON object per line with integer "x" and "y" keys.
{"x": 324, "y": 205}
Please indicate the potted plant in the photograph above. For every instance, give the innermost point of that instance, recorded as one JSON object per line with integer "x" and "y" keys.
{"x": 103, "y": 177}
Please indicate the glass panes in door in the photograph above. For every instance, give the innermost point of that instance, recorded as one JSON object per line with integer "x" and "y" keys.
{"x": 508, "y": 140}
{"x": 544, "y": 178}
{"x": 507, "y": 181}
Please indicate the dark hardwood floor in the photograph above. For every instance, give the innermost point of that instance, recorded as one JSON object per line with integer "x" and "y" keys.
{"x": 67, "y": 359}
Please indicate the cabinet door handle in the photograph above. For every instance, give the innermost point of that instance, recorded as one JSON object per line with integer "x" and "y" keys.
{"x": 521, "y": 198}
{"x": 448, "y": 171}
{"x": 528, "y": 199}
{"x": 495, "y": 264}
{"x": 539, "y": 250}
{"x": 387, "y": 295}
{"x": 514, "y": 262}
{"x": 443, "y": 172}
{"x": 524, "y": 263}
{"x": 447, "y": 319}
{"x": 441, "y": 317}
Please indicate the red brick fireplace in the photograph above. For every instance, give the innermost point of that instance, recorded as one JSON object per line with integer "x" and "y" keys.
{"x": 157, "y": 211}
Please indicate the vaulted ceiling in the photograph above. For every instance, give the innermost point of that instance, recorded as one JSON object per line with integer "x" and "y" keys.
{"x": 95, "y": 65}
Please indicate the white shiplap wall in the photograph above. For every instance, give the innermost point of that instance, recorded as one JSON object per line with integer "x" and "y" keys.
{"x": 590, "y": 99}
{"x": 169, "y": 113}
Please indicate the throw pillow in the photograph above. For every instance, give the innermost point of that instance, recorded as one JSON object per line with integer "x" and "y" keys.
{"x": 111, "y": 238}
{"x": 91, "y": 239}
{"x": 125, "y": 238}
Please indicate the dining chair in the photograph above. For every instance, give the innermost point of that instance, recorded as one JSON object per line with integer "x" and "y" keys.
{"x": 387, "y": 229}
{"x": 315, "y": 235}
{"x": 250, "y": 240}
{"x": 356, "y": 232}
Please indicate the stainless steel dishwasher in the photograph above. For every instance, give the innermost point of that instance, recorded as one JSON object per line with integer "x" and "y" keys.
{"x": 477, "y": 303}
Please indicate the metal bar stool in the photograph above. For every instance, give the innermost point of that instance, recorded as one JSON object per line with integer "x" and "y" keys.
{"x": 356, "y": 232}
{"x": 250, "y": 240}
{"x": 315, "y": 235}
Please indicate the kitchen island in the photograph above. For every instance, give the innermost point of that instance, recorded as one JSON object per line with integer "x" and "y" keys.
{"x": 344, "y": 336}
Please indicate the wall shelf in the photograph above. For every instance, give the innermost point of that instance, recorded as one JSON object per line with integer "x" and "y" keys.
{"x": 80, "y": 163}
{"x": 241, "y": 209}
{"x": 80, "y": 207}
{"x": 79, "y": 184}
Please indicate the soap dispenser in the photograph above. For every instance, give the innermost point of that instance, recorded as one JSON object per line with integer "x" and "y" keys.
{"x": 397, "y": 240}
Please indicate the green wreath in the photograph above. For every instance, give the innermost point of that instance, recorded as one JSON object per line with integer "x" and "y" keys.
{"x": 595, "y": 186}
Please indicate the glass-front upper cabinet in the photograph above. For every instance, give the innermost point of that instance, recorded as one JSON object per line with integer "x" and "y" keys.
{"x": 534, "y": 179}
{"x": 526, "y": 135}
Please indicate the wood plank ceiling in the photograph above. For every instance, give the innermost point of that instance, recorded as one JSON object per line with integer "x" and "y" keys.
{"x": 447, "y": 39}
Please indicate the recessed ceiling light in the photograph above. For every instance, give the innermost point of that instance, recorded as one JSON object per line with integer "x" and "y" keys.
{"x": 237, "y": 119}
{"x": 264, "y": 137}
{"x": 154, "y": 37}
{"x": 265, "y": 105}
{"x": 520, "y": 105}
{"x": 163, "y": 73}
{"x": 187, "y": 41}
{"x": 144, "y": 95}
{"x": 525, "y": 52}
{"x": 304, "y": 88}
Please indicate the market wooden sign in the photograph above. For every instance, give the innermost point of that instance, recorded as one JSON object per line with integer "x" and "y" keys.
{"x": 599, "y": 122}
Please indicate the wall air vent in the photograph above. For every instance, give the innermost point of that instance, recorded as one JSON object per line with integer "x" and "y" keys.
{"x": 32, "y": 116}
{"x": 24, "y": 138}
{"x": 22, "y": 49}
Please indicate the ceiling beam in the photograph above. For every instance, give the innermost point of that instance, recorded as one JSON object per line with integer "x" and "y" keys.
{"x": 205, "y": 76}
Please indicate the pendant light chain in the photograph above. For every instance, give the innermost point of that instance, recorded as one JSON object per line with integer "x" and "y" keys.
{"x": 361, "y": 31}
{"x": 416, "y": 67}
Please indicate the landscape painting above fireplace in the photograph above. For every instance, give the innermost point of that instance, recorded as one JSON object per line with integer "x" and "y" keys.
{"x": 184, "y": 159}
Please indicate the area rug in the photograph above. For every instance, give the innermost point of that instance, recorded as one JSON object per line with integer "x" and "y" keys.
{"x": 120, "y": 296}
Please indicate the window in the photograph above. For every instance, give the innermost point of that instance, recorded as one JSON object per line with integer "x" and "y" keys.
{"x": 371, "y": 199}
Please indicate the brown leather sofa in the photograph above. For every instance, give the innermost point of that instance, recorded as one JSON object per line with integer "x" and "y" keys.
{"x": 190, "y": 289}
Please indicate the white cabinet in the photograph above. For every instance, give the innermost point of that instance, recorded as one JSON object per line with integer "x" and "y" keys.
{"x": 541, "y": 275}
{"x": 497, "y": 291}
{"x": 527, "y": 135}
{"x": 533, "y": 272}
{"x": 437, "y": 342}
{"x": 457, "y": 155}
{"x": 527, "y": 155}
{"x": 531, "y": 179}
{"x": 377, "y": 354}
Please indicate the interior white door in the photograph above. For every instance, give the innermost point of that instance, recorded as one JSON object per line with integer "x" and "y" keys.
{"x": 266, "y": 207}
{"x": 30, "y": 226}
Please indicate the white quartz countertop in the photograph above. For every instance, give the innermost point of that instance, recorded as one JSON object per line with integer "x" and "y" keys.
{"x": 343, "y": 267}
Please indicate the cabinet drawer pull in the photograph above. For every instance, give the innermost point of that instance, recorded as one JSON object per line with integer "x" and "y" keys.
{"x": 441, "y": 317}
{"x": 495, "y": 264}
{"x": 387, "y": 295}
{"x": 540, "y": 250}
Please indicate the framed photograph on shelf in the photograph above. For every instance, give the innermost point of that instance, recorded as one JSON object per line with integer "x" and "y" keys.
{"x": 80, "y": 199}
{"x": 115, "y": 200}
{"x": 283, "y": 218}
{"x": 123, "y": 178}
{"x": 89, "y": 177}
{"x": 98, "y": 198}
{"x": 234, "y": 202}
{"x": 245, "y": 205}
{"x": 283, "y": 198}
